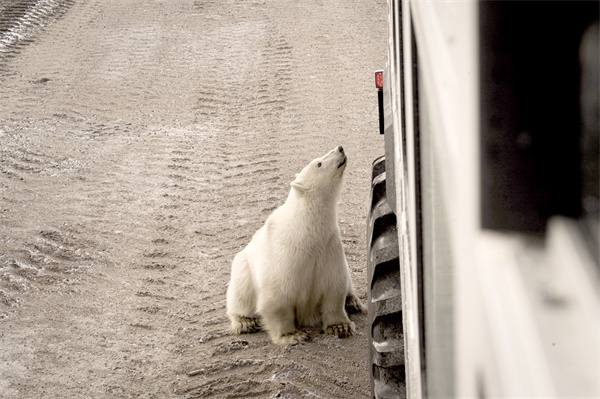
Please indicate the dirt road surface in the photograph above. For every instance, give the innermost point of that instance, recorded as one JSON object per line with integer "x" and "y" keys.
{"x": 142, "y": 143}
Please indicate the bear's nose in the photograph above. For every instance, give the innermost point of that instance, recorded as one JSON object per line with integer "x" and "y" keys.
{"x": 341, "y": 149}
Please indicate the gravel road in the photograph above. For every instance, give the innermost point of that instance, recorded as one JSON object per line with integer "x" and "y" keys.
{"x": 142, "y": 143}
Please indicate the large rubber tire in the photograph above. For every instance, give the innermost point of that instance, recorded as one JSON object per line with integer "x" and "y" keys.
{"x": 388, "y": 378}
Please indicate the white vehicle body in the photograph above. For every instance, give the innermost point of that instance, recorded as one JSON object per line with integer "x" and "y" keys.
{"x": 498, "y": 299}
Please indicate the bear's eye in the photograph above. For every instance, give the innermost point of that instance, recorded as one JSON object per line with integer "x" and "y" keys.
{"x": 319, "y": 165}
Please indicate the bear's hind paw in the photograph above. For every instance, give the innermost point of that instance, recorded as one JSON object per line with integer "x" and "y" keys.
{"x": 293, "y": 338}
{"x": 245, "y": 325}
{"x": 340, "y": 330}
{"x": 354, "y": 305}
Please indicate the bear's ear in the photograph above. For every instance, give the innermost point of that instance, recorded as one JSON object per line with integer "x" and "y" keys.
{"x": 298, "y": 186}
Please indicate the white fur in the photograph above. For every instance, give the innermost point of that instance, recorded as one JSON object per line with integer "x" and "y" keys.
{"x": 294, "y": 272}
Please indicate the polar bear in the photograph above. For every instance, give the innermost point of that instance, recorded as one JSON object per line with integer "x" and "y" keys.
{"x": 294, "y": 272}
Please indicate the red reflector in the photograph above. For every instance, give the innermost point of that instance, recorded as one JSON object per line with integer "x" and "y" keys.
{"x": 379, "y": 79}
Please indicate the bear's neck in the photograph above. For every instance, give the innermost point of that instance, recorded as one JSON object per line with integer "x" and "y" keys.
{"x": 319, "y": 209}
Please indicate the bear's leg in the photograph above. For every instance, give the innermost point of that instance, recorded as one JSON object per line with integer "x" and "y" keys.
{"x": 241, "y": 297}
{"x": 335, "y": 319}
{"x": 336, "y": 286}
{"x": 279, "y": 321}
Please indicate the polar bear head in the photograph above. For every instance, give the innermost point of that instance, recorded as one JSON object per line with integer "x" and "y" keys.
{"x": 322, "y": 176}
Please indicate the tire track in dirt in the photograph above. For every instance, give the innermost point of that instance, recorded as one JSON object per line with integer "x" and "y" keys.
{"x": 36, "y": 256}
{"x": 22, "y": 20}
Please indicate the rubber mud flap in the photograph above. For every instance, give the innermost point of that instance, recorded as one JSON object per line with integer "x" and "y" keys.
{"x": 385, "y": 300}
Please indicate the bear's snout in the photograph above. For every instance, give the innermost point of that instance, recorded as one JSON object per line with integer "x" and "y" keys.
{"x": 340, "y": 149}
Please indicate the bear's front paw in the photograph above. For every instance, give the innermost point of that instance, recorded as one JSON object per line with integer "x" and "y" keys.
{"x": 340, "y": 330}
{"x": 293, "y": 338}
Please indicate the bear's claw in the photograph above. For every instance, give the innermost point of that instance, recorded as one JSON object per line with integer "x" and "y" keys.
{"x": 245, "y": 325}
{"x": 340, "y": 330}
{"x": 294, "y": 338}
